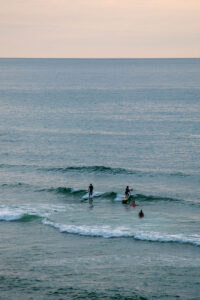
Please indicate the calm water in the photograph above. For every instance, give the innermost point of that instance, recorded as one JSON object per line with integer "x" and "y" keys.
{"x": 66, "y": 123}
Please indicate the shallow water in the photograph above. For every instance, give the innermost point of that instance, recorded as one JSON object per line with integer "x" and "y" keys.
{"x": 65, "y": 123}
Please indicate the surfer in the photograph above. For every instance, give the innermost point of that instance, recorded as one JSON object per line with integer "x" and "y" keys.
{"x": 127, "y": 195}
{"x": 90, "y": 190}
{"x": 141, "y": 214}
{"x": 127, "y": 192}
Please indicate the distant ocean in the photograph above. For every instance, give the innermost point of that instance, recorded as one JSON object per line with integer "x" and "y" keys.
{"x": 66, "y": 123}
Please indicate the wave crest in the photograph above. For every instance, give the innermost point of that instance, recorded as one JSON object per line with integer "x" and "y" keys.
{"x": 18, "y": 217}
{"x": 124, "y": 232}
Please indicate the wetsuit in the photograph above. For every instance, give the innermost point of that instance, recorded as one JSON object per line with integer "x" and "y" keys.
{"x": 127, "y": 192}
{"x": 90, "y": 189}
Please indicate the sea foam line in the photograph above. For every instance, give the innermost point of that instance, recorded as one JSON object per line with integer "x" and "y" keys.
{"x": 94, "y": 231}
{"x": 124, "y": 232}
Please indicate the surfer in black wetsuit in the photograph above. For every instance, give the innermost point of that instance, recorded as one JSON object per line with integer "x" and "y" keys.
{"x": 90, "y": 190}
{"x": 127, "y": 191}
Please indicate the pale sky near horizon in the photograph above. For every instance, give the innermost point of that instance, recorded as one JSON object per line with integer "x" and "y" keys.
{"x": 100, "y": 28}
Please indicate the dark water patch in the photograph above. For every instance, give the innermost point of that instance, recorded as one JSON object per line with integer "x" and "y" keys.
{"x": 20, "y": 168}
{"x": 180, "y": 174}
{"x": 92, "y": 169}
{"x": 64, "y": 190}
{"x": 28, "y": 218}
{"x": 97, "y": 294}
{"x": 19, "y": 187}
{"x": 150, "y": 198}
{"x": 16, "y": 185}
{"x": 13, "y": 283}
{"x": 25, "y": 186}
{"x": 109, "y": 195}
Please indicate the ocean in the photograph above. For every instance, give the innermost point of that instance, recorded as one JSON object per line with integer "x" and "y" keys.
{"x": 66, "y": 123}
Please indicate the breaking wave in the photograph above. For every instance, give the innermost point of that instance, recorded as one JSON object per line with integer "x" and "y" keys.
{"x": 26, "y": 213}
{"x": 18, "y": 217}
{"x": 123, "y": 232}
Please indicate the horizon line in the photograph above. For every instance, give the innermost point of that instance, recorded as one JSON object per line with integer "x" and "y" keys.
{"x": 98, "y": 57}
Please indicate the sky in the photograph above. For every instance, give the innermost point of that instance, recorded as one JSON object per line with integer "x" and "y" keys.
{"x": 100, "y": 28}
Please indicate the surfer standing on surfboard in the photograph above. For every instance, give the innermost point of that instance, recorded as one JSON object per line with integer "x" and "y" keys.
{"x": 127, "y": 192}
{"x": 90, "y": 190}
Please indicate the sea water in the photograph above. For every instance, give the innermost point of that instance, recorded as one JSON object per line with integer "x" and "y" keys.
{"x": 66, "y": 123}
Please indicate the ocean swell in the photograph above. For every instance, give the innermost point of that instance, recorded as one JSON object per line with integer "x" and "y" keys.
{"x": 83, "y": 194}
{"x": 112, "y": 195}
{"x": 91, "y": 169}
{"x": 100, "y": 169}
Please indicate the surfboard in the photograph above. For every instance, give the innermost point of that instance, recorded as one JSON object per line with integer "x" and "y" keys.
{"x": 125, "y": 200}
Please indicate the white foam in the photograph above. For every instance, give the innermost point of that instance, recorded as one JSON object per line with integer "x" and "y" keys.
{"x": 117, "y": 232}
{"x": 119, "y": 197}
{"x": 165, "y": 237}
{"x": 12, "y": 213}
{"x": 74, "y": 190}
{"x": 100, "y": 231}
{"x": 95, "y": 194}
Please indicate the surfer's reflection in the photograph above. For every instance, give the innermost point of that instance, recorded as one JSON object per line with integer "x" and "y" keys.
{"x": 91, "y": 203}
